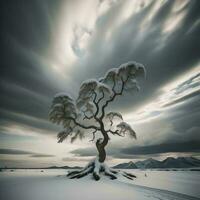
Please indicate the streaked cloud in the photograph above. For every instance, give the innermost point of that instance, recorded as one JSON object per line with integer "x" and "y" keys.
{"x": 21, "y": 152}
{"x": 182, "y": 92}
{"x": 14, "y": 152}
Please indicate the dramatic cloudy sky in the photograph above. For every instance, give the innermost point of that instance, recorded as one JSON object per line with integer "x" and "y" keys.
{"x": 52, "y": 46}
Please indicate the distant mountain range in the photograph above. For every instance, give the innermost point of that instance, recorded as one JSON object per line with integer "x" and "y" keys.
{"x": 63, "y": 167}
{"x": 52, "y": 167}
{"x": 170, "y": 162}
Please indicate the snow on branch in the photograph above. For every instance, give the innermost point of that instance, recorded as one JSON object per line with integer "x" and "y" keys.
{"x": 89, "y": 91}
{"x": 62, "y": 109}
{"x": 112, "y": 115}
{"x": 64, "y": 134}
{"x": 90, "y": 94}
{"x": 124, "y": 128}
{"x": 73, "y": 133}
{"x": 125, "y": 74}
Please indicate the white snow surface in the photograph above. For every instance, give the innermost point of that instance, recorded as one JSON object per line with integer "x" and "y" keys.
{"x": 52, "y": 184}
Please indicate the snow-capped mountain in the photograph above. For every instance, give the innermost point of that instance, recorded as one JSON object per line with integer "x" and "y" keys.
{"x": 149, "y": 163}
{"x": 170, "y": 162}
{"x": 180, "y": 162}
{"x": 129, "y": 165}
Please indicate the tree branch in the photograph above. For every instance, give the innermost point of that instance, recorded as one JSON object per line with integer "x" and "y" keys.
{"x": 87, "y": 117}
{"x": 113, "y": 97}
{"x": 93, "y": 135}
{"x": 83, "y": 126}
{"x": 115, "y": 133}
{"x": 114, "y": 84}
{"x": 95, "y": 96}
{"x": 97, "y": 106}
{"x": 103, "y": 95}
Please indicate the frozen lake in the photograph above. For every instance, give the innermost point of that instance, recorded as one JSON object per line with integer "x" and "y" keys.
{"x": 52, "y": 184}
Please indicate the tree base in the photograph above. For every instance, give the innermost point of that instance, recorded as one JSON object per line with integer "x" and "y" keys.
{"x": 95, "y": 168}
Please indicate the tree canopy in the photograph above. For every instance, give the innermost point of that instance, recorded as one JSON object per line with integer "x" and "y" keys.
{"x": 88, "y": 111}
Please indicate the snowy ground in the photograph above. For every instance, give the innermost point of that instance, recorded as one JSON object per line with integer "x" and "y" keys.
{"x": 158, "y": 185}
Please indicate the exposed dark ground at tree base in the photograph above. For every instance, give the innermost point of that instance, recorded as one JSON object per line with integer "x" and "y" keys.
{"x": 98, "y": 169}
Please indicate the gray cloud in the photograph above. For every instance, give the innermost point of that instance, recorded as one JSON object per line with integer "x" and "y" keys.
{"x": 138, "y": 152}
{"x": 21, "y": 152}
{"x": 24, "y": 87}
{"x": 193, "y": 146}
{"x": 126, "y": 44}
{"x": 85, "y": 152}
{"x": 182, "y": 99}
{"x": 43, "y": 125}
{"x": 15, "y": 152}
{"x": 186, "y": 90}
{"x": 19, "y": 88}
{"x": 42, "y": 156}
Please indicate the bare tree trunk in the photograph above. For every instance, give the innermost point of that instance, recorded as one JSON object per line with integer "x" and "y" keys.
{"x": 101, "y": 147}
{"x": 101, "y": 151}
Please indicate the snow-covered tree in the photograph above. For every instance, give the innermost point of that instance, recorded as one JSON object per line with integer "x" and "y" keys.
{"x": 87, "y": 114}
